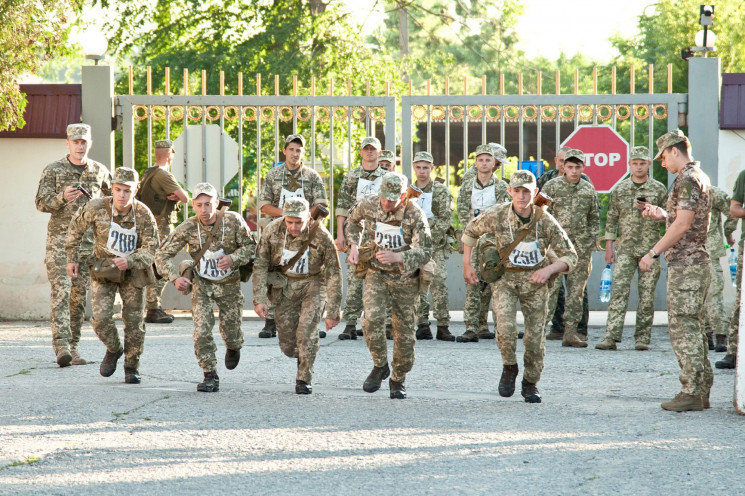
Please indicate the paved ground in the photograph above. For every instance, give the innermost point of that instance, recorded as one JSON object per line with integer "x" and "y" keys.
{"x": 600, "y": 429}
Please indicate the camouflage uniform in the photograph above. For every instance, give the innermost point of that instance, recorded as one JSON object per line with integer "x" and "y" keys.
{"x": 634, "y": 236}
{"x": 576, "y": 208}
{"x": 553, "y": 174}
{"x": 298, "y": 306}
{"x": 738, "y": 195}
{"x": 500, "y": 154}
{"x": 68, "y": 295}
{"x": 236, "y": 240}
{"x": 476, "y": 306}
{"x": 398, "y": 282}
{"x": 97, "y": 214}
{"x": 715, "y": 319}
{"x": 515, "y": 284}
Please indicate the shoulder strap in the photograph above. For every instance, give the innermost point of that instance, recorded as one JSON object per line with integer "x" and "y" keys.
{"x": 302, "y": 249}
{"x": 210, "y": 235}
{"x": 147, "y": 177}
{"x": 504, "y": 253}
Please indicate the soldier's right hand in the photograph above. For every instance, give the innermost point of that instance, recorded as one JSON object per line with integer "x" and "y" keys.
{"x": 261, "y": 310}
{"x": 72, "y": 270}
{"x": 469, "y": 274}
{"x": 354, "y": 255}
{"x": 182, "y": 283}
{"x": 610, "y": 255}
{"x": 71, "y": 194}
{"x": 341, "y": 243}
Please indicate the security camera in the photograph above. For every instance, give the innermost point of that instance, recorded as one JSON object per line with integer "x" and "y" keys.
{"x": 686, "y": 54}
{"x": 707, "y": 10}
{"x": 707, "y": 15}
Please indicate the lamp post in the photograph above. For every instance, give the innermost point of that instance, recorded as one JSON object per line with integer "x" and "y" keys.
{"x": 94, "y": 45}
{"x": 97, "y": 97}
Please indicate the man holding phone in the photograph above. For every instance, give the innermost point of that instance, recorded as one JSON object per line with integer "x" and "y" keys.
{"x": 633, "y": 235}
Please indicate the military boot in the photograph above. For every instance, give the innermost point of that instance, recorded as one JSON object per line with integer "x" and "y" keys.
{"x": 211, "y": 383}
{"x": 485, "y": 334}
{"x": 64, "y": 357}
{"x": 108, "y": 364}
{"x": 710, "y": 341}
{"x": 606, "y": 344}
{"x": 443, "y": 334}
{"x": 349, "y": 332}
{"x": 232, "y": 357}
{"x": 423, "y": 332}
{"x": 77, "y": 359}
{"x": 359, "y": 332}
{"x": 721, "y": 343}
{"x": 572, "y": 339}
{"x": 684, "y": 403}
{"x": 641, "y": 346}
{"x": 389, "y": 331}
{"x": 269, "y": 330}
{"x": 321, "y": 333}
{"x": 705, "y": 400}
{"x": 468, "y": 337}
{"x": 728, "y": 362}
{"x": 530, "y": 392}
{"x": 158, "y": 316}
{"x": 555, "y": 335}
{"x": 302, "y": 387}
{"x": 373, "y": 381}
{"x": 131, "y": 375}
{"x": 507, "y": 381}
{"x": 398, "y": 390}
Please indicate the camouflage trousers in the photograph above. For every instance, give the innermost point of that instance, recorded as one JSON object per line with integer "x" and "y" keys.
{"x": 229, "y": 300}
{"x": 439, "y": 291}
{"x": 506, "y": 292}
{"x": 686, "y": 292}
{"x": 715, "y": 318}
{"x": 734, "y": 321}
{"x": 103, "y": 295}
{"x": 67, "y": 300}
{"x": 623, "y": 273}
{"x": 155, "y": 290}
{"x": 403, "y": 296}
{"x": 353, "y": 299}
{"x": 476, "y": 305}
{"x": 298, "y": 313}
{"x": 576, "y": 281}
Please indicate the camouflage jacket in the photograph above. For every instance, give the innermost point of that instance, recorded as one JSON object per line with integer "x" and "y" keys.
{"x": 553, "y": 174}
{"x": 348, "y": 189}
{"x": 719, "y": 206}
{"x": 367, "y": 212}
{"x": 442, "y": 212}
{"x": 624, "y": 223}
{"x": 58, "y": 175}
{"x": 303, "y": 177}
{"x": 232, "y": 236}
{"x": 498, "y": 220}
{"x": 323, "y": 260}
{"x": 691, "y": 191}
{"x": 97, "y": 214}
{"x": 466, "y": 190}
{"x": 576, "y": 208}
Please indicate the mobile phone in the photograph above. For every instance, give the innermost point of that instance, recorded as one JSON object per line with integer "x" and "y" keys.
{"x": 642, "y": 199}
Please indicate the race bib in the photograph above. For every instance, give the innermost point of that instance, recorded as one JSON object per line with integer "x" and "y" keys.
{"x": 425, "y": 202}
{"x": 526, "y": 254}
{"x": 301, "y": 266}
{"x": 122, "y": 242}
{"x": 284, "y": 195}
{"x": 208, "y": 268}
{"x": 366, "y": 187}
{"x": 483, "y": 198}
{"x": 389, "y": 237}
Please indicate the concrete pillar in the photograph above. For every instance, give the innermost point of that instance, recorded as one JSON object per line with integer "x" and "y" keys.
{"x": 704, "y": 83}
{"x": 98, "y": 111}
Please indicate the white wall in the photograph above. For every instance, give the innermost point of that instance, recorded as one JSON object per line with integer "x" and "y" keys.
{"x": 731, "y": 163}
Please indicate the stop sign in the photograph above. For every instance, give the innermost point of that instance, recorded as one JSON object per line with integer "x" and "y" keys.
{"x": 606, "y": 154}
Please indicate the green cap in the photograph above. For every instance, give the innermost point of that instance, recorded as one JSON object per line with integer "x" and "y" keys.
{"x": 639, "y": 152}
{"x": 164, "y": 144}
{"x": 79, "y": 131}
{"x": 393, "y": 186}
{"x": 371, "y": 140}
{"x": 522, "y": 178}
{"x": 424, "y": 157}
{"x": 387, "y": 155}
{"x": 500, "y": 152}
{"x": 204, "y": 189}
{"x": 125, "y": 175}
{"x": 574, "y": 153}
{"x": 488, "y": 149}
{"x": 669, "y": 139}
{"x": 295, "y": 137}
{"x": 296, "y": 207}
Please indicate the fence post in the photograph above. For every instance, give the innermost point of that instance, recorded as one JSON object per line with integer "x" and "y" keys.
{"x": 98, "y": 111}
{"x": 704, "y": 83}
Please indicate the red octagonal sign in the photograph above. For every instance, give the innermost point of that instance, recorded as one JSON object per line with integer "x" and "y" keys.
{"x": 606, "y": 154}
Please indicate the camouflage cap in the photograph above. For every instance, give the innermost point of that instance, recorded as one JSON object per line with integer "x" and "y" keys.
{"x": 79, "y": 132}
{"x": 500, "y": 153}
{"x": 485, "y": 149}
{"x": 371, "y": 140}
{"x": 522, "y": 178}
{"x": 640, "y": 153}
{"x": 574, "y": 153}
{"x": 296, "y": 207}
{"x": 295, "y": 137}
{"x": 424, "y": 157}
{"x": 669, "y": 139}
{"x": 387, "y": 155}
{"x": 203, "y": 189}
{"x": 125, "y": 175}
{"x": 166, "y": 143}
{"x": 393, "y": 186}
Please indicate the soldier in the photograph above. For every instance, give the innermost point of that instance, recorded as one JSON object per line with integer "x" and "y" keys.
{"x": 292, "y": 179}
{"x": 387, "y": 160}
{"x": 482, "y": 191}
{"x": 125, "y": 236}
{"x": 527, "y": 271}
{"x": 436, "y": 202}
{"x": 500, "y": 156}
{"x": 60, "y": 193}
{"x": 688, "y": 268}
{"x": 160, "y": 191}
{"x": 300, "y": 255}
{"x": 576, "y": 208}
{"x": 358, "y": 182}
{"x": 225, "y": 243}
{"x": 632, "y": 234}
{"x": 400, "y": 246}
{"x": 715, "y": 319}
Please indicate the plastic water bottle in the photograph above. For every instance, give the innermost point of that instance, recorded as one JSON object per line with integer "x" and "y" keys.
{"x": 605, "y": 282}
{"x": 732, "y": 258}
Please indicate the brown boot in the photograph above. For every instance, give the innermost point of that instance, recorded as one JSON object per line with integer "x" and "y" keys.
{"x": 64, "y": 357}
{"x": 721, "y": 345}
{"x": 468, "y": 337}
{"x": 443, "y": 333}
{"x": 606, "y": 344}
{"x": 77, "y": 359}
{"x": 554, "y": 336}
{"x": 684, "y": 402}
{"x": 572, "y": 339}
{"x": 710, "y": 341}
{"x": 507, "y": 381}
{"x": 641, "y": 346}
{"x": 728, "y": 362}
{"x": 158, "y": 316}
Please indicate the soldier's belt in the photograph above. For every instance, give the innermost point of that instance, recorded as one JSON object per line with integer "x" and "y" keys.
{"x": 394, "y": 272}
{"x": 519, "y": 269}
{"x": 301, "y": 277}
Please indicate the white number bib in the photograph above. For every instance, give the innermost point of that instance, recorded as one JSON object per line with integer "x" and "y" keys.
{"x": 366, "y": 187}
{"x": 284, "y": 195}
{"x": 122, "y": 242}
{"x": 483, "y": 198}
{"x": 425, "y": 201}
{"x": 526, "y": 254}
{"x": 389, "y": 237}
{"x": 208, "y": 268}
{"x": 300, "y": 267}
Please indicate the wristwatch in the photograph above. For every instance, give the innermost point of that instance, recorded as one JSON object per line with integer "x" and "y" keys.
{"x": 653, "y": 253}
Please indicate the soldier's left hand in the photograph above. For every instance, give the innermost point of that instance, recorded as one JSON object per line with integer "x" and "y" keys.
{"x": 72, "y": 270}
{"x": 331, "y": 323}
{"x": 541, "y": 276}
{"x": 224, "y": 262}
{"x": 121, "y": 263}
{"x": 389, "y": 257}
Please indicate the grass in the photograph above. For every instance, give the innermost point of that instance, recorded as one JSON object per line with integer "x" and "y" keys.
{"x": 21, "y": 372}
{"x": 28, "y": 461}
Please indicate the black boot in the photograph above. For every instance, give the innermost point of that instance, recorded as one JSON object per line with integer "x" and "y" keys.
{"x": 443, "y": 334}
{"x": 211, "y": 383}
{"x": 468, "y": 337}
{"x": 728, "y": 362}
{"x": 507, "y": 381}
{"x": 269, "y": 330}
{"x": 302, "y": 387}
{"x": 232, "y": 357}
{"x": 721, "y": 343}
{"x": 710, "y": 341}
{"x": 349, "y": 332}
{"x": 389, "y": 331}
{"x": 398, "y": 390}
{"x": 372, "y": 383}
{"x": 530, "y": 392}
{"x": 131, "y": 376}
{"x": 108, "y": 364}
{"x": 423, "y": 332}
